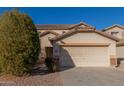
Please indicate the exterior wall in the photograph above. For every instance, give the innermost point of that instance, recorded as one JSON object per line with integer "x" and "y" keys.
{"x": 44, "y": 41}
{"x": 120, "y": 53}
{"x": 120, "y": 35}
{"x": 92, "y": 38}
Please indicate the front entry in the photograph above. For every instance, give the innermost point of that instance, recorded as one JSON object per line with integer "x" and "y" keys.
{"x": 49, "y": 51}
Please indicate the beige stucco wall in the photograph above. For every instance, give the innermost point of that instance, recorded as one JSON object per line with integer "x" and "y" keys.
{"x": 44, "y": 40}
{"x": 120, "y": 35}
{"x": 120, "y": 52}
{"x": 92, "y": 38}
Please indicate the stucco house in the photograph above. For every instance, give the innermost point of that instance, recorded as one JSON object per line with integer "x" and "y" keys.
{"x": 117, "y": 31}
{"x": 78, "y": 45}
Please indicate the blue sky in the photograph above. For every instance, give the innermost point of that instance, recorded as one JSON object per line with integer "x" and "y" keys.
{"x": 99, "y": 17}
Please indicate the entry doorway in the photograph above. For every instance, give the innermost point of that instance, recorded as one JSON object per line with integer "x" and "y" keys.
{"x": 49, "y": 51}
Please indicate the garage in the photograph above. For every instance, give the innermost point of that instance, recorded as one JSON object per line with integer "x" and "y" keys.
{"x": 85, "y": 48}
{"x": 84, "y": 56}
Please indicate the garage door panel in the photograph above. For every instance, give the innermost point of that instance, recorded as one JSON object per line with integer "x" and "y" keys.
{"x": 84, "y": 56}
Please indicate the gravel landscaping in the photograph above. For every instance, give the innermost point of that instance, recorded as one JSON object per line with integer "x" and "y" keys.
{"x": 84, "y": 76}
{"x": 39, "y": 77}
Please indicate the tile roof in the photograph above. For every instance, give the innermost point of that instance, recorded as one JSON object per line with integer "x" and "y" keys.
{"x": 60, "y": 26}
{"x": 54, "y": 26}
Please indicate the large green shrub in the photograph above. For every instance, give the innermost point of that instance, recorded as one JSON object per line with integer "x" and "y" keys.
{"x": 19, "y": 43}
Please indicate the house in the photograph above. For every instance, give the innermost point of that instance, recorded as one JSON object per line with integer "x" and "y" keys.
{"x": 115, "y": 30}
{"x": 49, "y": 31}
{"x": 118, "y": 31}
{"x": 79, "y": 45}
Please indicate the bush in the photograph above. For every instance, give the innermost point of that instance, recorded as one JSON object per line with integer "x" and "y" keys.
{"x": 48, "y": 62}
{"x": 51, "y": 64}
{"x": 19, "y": 43}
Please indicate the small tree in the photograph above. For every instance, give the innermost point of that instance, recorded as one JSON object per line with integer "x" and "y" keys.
{"x": 19, "y": 43}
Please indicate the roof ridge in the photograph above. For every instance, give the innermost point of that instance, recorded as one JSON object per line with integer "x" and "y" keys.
{"x": 122, "y": 26}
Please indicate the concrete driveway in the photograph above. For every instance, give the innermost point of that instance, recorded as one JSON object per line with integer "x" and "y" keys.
{"x": 88, "y": 76}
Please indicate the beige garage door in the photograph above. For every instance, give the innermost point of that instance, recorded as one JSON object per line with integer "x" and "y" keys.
{"x": 84, "y": 56}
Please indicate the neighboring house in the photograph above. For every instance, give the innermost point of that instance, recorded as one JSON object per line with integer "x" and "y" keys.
{"x": 78, "y": 45}
{"x": 118, "y": 31}
{"x": 115, "y": 30}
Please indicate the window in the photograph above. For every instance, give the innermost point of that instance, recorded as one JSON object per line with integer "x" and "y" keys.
{"x": 114, "y": 33}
